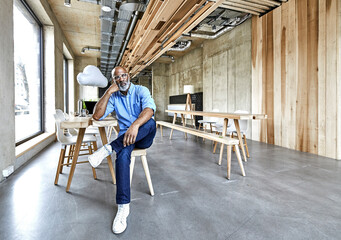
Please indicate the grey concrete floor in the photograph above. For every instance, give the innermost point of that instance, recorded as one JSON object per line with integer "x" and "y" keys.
{"x": 286, "y": 194}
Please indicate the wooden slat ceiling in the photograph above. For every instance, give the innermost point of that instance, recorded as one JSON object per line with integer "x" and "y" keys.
{"x": 161, "y": 25}
{"x": 165, "y": 21}
{"x": 255, "y": 7}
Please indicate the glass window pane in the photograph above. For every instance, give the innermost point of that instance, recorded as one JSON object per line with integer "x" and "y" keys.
{"x": 27, "y": 73}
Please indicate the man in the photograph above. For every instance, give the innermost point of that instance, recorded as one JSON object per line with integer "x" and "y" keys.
{"x": 134, "y": 108}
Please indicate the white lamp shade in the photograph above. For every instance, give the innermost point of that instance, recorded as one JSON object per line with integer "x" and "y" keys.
{"x": 92, "y": 76}
{"x": 188, "y": 89}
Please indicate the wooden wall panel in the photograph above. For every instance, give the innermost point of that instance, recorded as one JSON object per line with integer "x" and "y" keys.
{"x": 295, "y": 72}
{"x": 338, "y": 147}
{"x": 321, "y": 105}
{"x": 331, "y": 94}
{"x": 256, "y": 75}
{"x": 277, "y": 33}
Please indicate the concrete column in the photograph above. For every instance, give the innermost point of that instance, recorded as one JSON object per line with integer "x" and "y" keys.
{"x": 7, "y": 117}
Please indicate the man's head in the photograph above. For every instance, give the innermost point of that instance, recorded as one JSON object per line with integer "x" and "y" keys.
{"x": 121, "y": 77}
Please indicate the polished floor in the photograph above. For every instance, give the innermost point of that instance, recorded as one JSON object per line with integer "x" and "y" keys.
{"x": 285, "y": 195}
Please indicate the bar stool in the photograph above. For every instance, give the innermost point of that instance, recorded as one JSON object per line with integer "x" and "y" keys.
{"x": 143, "y": 154}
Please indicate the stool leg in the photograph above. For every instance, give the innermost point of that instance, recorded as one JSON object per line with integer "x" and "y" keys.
{"x": 146, "y": 170}
{"x": 61, "y": 160}
{"x": 246, "y": 148}
{"x": 236, "y": 148}
{"x": 228, "y": 147}
{"x": 161, "y": 130}
{"x": 132, "y": 164}
{"x": 221, "y": 153}
{"x": 93, "y": 170}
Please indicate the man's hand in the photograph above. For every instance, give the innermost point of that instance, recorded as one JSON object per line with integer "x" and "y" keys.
{"x": 130, "y": 135}
{"x": 113, "y": 88}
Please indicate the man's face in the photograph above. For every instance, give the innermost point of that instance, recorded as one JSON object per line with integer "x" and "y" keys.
{"x": 122, "y": 79}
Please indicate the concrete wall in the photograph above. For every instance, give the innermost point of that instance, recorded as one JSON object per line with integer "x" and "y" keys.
{"x": 221, "y": 69}
{"x": 7, "y": 146}
{"x": 186, "y": 70}
{"x": 159, "y": 93}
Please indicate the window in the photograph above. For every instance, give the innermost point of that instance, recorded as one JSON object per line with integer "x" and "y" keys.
{"x": 28, "y": 73}
{"x": 66, "y": 85}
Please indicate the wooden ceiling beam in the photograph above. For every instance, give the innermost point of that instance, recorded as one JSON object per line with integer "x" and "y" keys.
{"x": 240, "y": 5}
{"x": 240, "y": 9}
{"x": 251, "y": 4}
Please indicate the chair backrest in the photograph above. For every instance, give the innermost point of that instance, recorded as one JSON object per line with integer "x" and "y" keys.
{"x": 60, "y": 134}
{"x": 243, "y": 124}
{"x": 72, "y": 131}
{"x": 60, "y": 114}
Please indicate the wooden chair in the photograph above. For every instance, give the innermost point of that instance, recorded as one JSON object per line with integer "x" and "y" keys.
{"x": 71, "y": 141}
{"x": 143, "y": 154}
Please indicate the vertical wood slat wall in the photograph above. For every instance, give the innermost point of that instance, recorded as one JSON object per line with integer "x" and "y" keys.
{"x": 296, "y": 76}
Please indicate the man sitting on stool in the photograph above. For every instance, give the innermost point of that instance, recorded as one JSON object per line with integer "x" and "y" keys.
{"x": 134, "y": 108}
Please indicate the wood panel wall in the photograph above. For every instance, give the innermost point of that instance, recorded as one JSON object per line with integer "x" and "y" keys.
{"x": 296, "y": 76}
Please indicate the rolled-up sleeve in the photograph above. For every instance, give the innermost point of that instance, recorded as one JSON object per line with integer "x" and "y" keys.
{"x": 146, "y": 99}
{"x": 110, "y": 107}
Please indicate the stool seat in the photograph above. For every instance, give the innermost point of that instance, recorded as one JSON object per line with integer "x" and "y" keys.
{"x": 143, "y": 154}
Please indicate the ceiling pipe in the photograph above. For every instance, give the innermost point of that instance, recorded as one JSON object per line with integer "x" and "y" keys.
{"x": 220, "y": 32}
{"x": 180, "y": 49}
{"x": 97, "y": 49}
{"x": 130, "y": 31}
{"x": 168, "y": 56}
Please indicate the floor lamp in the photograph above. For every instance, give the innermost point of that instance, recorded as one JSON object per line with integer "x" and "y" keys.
{"x": 189, "y": 89}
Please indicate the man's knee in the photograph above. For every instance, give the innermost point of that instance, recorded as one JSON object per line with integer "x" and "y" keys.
{"x": 125, "y": 153}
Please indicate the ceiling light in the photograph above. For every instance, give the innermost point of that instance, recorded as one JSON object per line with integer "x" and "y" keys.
{"x": 106, "y": 9}
{"x": 67, "y": 3}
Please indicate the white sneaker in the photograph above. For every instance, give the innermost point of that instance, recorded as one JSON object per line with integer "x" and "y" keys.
{"x": 120, "y": 221}
{"x": 97, "y": 157}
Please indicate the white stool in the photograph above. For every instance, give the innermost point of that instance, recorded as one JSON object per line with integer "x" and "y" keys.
{"x": 143, "y": 154}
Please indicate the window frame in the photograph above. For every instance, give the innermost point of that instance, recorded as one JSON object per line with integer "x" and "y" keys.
{"x": 66, "y": 83}
{"x": 41, "y": 75}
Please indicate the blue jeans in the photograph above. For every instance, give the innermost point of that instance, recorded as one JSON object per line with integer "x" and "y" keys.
{"x": 144, "y": 139}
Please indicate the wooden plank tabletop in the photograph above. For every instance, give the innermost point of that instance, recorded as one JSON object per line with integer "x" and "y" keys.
{"x": 84, "y": 122}
{"x": 75, "y": 122}
{"x": 221, "y": 114}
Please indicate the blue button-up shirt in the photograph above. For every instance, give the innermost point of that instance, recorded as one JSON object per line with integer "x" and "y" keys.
{"x": 129, "y": 107}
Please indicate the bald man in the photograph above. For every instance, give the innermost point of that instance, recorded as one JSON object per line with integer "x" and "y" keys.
{"x": 134, "y": 108}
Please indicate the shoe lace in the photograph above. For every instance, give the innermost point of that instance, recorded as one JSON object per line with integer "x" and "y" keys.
{"x": 121, "y": 213}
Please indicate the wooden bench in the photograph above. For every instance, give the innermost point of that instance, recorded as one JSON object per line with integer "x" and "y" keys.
{"x": 229, "y": 142}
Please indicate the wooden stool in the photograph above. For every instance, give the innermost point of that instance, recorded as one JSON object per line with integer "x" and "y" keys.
{"x": 143, "y": 154}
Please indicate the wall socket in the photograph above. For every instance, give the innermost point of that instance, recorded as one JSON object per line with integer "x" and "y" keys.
{"x": 7, "y": 171}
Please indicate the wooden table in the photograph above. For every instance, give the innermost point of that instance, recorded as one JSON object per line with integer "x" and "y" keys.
{"x": 225, "y": 116}
{"x": 82, "y": 123}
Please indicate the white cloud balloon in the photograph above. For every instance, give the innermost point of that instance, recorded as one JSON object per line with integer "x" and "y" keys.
{"x": 92, "y": 76}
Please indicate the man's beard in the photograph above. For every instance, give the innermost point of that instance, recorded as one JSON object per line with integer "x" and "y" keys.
{"x": 125, "y": 87}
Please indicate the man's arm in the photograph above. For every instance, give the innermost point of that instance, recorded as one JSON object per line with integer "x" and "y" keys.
{"x": 101, "y": 105}
{"x": 130, "y": 135}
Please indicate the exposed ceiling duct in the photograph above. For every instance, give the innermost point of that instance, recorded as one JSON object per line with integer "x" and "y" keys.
{"x": 116, "y": 29}
{"x": 232, "y": 23}
{"x": 90, "y": 49}
{"x": 181, "y": 46}
{"x": 168, "y": 56}
{"x": 118, "y": 19}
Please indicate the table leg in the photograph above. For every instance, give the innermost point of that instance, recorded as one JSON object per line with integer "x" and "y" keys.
{"x": 236, "y": 124}
{"x": 75, "y": 156}
{"x": 105, "y": 141}
{"x": 222, "y": 145}
{"x": 174, "y": 119}
{"x": 184, "y": 123}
